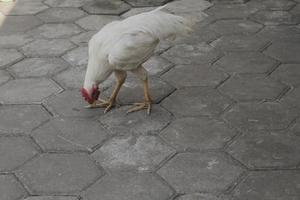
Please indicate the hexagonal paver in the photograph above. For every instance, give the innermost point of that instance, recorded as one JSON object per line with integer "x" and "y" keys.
{"x": 35, "y": 67}
{"x": 95, "y": 22}
{"x": 58, "y": 15}
{"x": 229, "y": 1}
{"x": 288, "y": 73}
{"x": 10, "y": 188}
{"x": 71, "y": 104}
{"x": 194, "y": 75}
{"x": 268, "y": 17}
{"x": 196, "y": 101}
{"x": 59, "y": 173}
{"x": 231, "y": 11}
{"x": 27, "y": 7}
{"x": 251, "y": 88}
{"x": 266, "y": 149}
{"x": 260, "y": 116}
{"x": 83, "y": 38}
{"x": 199, "y": 196}
{"x": 21, "y": 118}
{"x": 128, "y": 186}
{"x": 14, "y": 151}
{"x": 235, "y": 26}
{"x": 286, "y": 52}
{"x": 135, "y": 11}
{"x": 292, "y": 98}
{"x": 139, "y": 122}
{"x": 240, "y": 43}
{"x": 4, "y": 76}
{"x": 246, "y": 62}
{"x": 269, "y": 185}
{"x": 296, "y": 128}
{"x": 200, "y": 53}
{"x": 145, "y": 3}
{"x": 42, "y": 47}
{"x": 132, "y": 90}
{"x": 14, "y": 40}
{"x": 281, "y": 33}
{"x": 51, "y": 198}
{"x": 140, "y": 153}
{"x": 66, "y": 3}
{"x": 205, "y": 172}
{"x": 71, "y": 78}
{"x": 15, "y": 24}
{"x": 27, "y": 90}
{"x": 9, "y": 56}
{"x": 295, "y": 10}
{"x": 70, "y": 134}
{"x": 197, "y": 134}
{"x": 275, "y": 4}
{"x": 51, "y": 31}
{"x": 114, "y": 7}
{"x": 78, "y": 56}
{"x": 157, "y": 65}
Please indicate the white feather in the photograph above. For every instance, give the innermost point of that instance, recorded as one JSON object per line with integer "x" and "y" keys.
{"x": 125, "y": 45}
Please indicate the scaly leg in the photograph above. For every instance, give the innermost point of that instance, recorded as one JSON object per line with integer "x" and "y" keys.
{"x": 108, "y": 104}
{"x": 147, "y": 104}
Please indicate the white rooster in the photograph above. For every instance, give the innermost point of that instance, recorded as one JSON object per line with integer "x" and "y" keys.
{"x": 122, "y": 46}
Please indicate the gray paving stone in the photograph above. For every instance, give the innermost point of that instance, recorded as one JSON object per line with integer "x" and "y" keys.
{"x": 10, "y": 188}
{"x": 24, "y": 7}
{"x": 132, "y": 90}
{"x": 229, "y": 1}
{"x": 281, "y": 33}
{"x": 83, "y": 38}
{"x": 286, "y": 52}
{"x": 71, "y": 78}
{"x": 43, "y": 47}
{"x": 267, "y": 150}
{"x": 296, "y": 128}
{"x": 223, "y": 11}
{"x": 200, "y": 53}
{"x": 4, "y": 77}
{"x": 194, "y": 75}
{"x": 95, "y": 22}
{"x": 269, "y": 185}
{"x": 199, "y": 196}
{"x": 21, "y": 118}
{"x": 66, "y": 3}
{"x": 36, "y": 67}
{"x": 292, "y": 98}
{"x": 18, "y": 24}
{"x": 128, "y": 186}
{"x": 274, "y": 4}
{"x": 60, "y": 15}
{"x": 70, "y": 134}
{"x": 78, "y": 56}
{"x": 163, "y": 46}
{"x": 288, "y": 73}
{"x": 9, "y": 56}
{"x": 135, "y": 11}
{"x": 268, "y": 18}
{"x": 51, "y": 198}
{"x": 59, "y": 173}
{"x": 260, "y": 116}
{"x": 70, "y": 104}
{"x": 51, "y": 31}
{"x": 295, "y": 10}
{"x": 235, "y": 26}
{"x": 142, "y": 153}
{"x": 197, "y": 134}
{"x": 14, "y": 40}
{"x": 14, "y": 151}
{"x": 146, "y": 3}
{"x": 246, "y": 62}
{"x": 252, "y": 88}
{"x": 29, "y": 90}
{"x": 113, "y": 7}
{"x": 138, "y": 123}
{"x": 197, "y": 101}
{"x": 200, "y": 172}
{"x": 240, "y": 43}
{"x": 157, "y": 65}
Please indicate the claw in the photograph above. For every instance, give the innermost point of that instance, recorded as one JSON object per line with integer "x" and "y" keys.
{"x": 141, "y": 106}
{"x": 107, "y": 104}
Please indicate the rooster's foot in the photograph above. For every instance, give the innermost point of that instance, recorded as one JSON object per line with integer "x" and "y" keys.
{"x": 107, "y": 104}
{"x": 141, "y": 106}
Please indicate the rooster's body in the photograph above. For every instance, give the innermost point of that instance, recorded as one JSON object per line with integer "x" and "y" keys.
{"x": 123, "y": 46}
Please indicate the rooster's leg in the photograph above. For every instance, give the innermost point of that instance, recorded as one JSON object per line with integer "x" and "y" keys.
{"x": 108, "y": 104}
{"x": 142, "y": 74}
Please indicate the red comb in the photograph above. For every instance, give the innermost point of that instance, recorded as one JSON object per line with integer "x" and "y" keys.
{"x": 86, "y": 96}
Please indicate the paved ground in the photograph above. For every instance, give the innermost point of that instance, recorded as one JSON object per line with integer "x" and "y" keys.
{"x": 224, "y": 126}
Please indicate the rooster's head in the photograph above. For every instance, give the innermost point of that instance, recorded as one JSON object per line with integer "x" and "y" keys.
{"x": 90, "y": 95}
